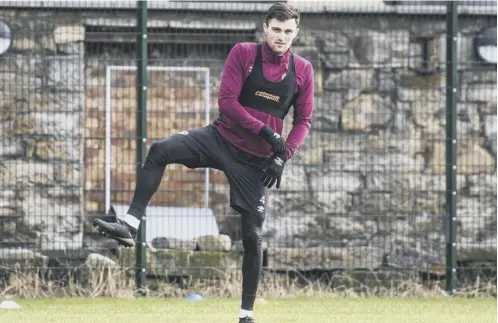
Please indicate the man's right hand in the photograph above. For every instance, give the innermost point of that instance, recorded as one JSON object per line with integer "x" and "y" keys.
{"x": 273, "y": 138}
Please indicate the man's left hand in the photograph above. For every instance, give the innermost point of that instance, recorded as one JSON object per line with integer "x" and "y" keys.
{"x": 274, "y": 169}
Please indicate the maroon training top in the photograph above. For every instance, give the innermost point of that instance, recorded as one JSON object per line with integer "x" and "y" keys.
{"x": 241, "y": 125}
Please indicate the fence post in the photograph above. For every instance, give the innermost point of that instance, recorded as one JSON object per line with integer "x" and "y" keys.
{"x": 451, "y": 141}
{"x": 141, "y": 133}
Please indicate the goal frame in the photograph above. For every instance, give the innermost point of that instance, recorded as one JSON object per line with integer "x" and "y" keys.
{"x": 108, "y": 105}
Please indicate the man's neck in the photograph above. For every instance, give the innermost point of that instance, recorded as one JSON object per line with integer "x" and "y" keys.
{"x": 272, "y": 56}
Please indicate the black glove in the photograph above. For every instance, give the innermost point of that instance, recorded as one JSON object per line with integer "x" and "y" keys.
{"x": 273, "y": 138}
{"x": 274, "y": 169}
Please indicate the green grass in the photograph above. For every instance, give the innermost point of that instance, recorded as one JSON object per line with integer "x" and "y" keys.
{"x": 286, "y": 310}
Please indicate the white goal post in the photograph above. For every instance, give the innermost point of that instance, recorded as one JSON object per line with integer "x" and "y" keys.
{"x": 207, "y": 99}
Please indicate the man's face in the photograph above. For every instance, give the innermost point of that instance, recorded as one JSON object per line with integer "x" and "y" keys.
{"x": 280, "y": 34}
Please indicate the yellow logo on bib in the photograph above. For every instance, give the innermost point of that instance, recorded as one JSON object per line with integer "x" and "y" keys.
{"x": 267, "y": 96}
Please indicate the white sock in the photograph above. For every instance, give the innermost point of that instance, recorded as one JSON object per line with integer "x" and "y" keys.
{"x": 131, "y": 220}
{"x": 244, "y": 313}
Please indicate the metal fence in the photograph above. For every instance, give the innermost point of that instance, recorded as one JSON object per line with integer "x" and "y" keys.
{"x": 398, "y": 171}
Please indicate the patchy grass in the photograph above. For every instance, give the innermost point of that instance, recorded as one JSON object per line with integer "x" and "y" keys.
{"x": 115, "y": 283}
{"x": 103, "y": 296}
{"x": 272, "y": 310}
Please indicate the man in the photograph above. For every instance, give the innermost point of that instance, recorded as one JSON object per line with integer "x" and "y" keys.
{"x": 260, "y": 83}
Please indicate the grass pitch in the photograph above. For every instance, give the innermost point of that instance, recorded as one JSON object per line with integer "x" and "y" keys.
{"x": 284, "y": 310}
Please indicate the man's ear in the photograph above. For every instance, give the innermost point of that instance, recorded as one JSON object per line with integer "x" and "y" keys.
{"x": 297, "y": 31}
{"x": 265, "y": 27}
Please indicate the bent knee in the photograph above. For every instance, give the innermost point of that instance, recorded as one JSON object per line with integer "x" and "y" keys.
{"x": 157, "y": 151}
{"x": 155, "y": 148}
{"x": 163, "y": 151}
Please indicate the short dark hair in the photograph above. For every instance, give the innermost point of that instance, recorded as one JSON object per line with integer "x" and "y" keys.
{"x": 282, "y": 12}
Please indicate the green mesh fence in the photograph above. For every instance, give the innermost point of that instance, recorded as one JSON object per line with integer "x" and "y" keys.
{"x": 366, "y": 190}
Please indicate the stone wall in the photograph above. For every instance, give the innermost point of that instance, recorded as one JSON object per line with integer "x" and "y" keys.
{"x": 371, "y": 175}
{"x": 41, "y": 125}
